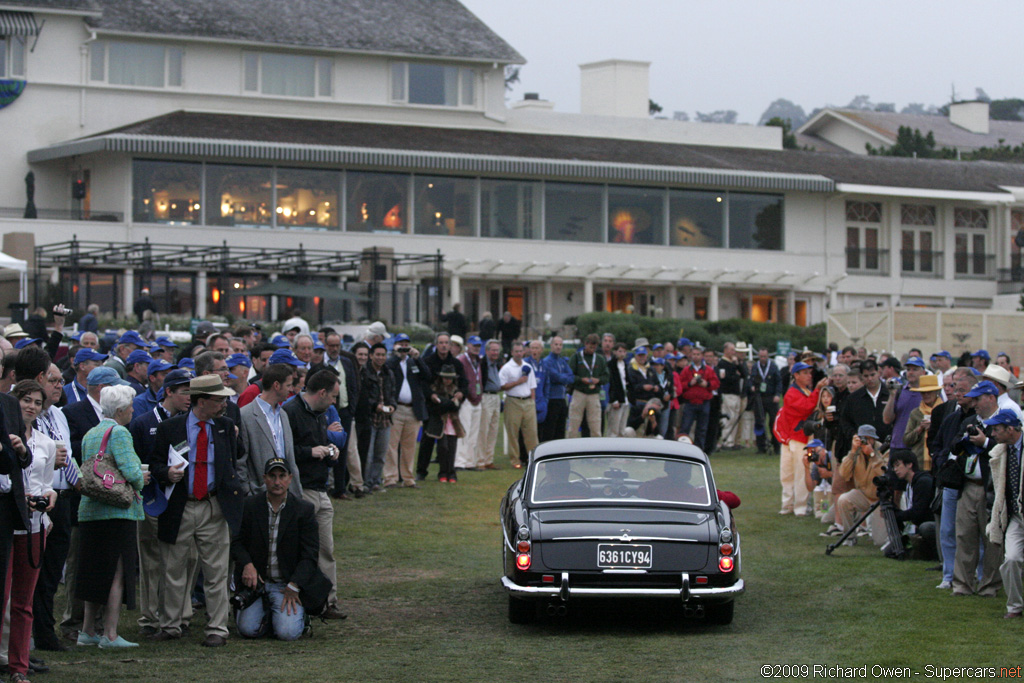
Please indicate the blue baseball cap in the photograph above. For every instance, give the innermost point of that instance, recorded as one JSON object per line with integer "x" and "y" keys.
{"x": 284, "y": 356}
{"x": 158, "y": 366}
{"x": 983, "y": 388}
{"x": 281, "y": 342}
{"x": 798, "y": 366}
{"x": 178, "y": 376}
{"x": 640, "y": 351}
{"x": 983, "y": 354}
{"x": 474, "y": 340}
{"x": 401, "y": 336}
{"x": 138, "y": 356}
{"x": 914, "y": 360}
{"x": 89, "y": 354}
{"x": 166, "y": 343}
{"x": 236, "y": 359}
{"x": 658, "y": 346}
{"x": 657, "y": 361}
{"x": 814, "y": 443}
{"x": 77, "y": 336}
{"x": 942, "y": 354}
{"x": 22, "y": 343}
{"x": 319, "y": 346}
{"x": 187, "y": 363}
{"x": 683, "y": 341}
{"x": 156, "y": 348}
{"x": 104, "y": 375}
{"x": 132, "y": 337}
{"x": 1004, "y": 417}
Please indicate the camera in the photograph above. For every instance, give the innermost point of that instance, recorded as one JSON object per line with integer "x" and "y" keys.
{"x": 972, "y": 430}
{"x": 39, "y": 503}
{"x": 245, "y": 597}
{"x": 59, "y": 309}
{"x": 893, "y": 383}
{"x": 883, "y": 487}
{"x": 401, "y": 349}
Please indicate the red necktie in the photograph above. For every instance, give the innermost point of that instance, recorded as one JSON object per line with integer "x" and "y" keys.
{"x": 200, "y": 475}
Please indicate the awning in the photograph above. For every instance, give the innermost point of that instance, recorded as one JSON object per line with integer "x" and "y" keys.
{"x": 11, "y": 263}
{"x": 285, "y": 288}
{"x": 18, "y": 24}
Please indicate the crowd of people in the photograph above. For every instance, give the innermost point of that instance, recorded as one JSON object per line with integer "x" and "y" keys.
{"x": 208, "y": 471}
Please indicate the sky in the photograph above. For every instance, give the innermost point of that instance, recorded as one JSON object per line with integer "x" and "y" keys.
{"x": 743, "y": 54}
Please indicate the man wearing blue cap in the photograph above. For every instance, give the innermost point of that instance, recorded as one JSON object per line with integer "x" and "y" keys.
{"x": 238, "y": 377}
{"x": 281, "y": 356}
{"x": 136, "y": 369}
{"x": 1006, "y": 525}
{"x": 126, "y": 343}
{"x": 156, "y": 371}
{"x": 903, "y": 400}
{"x": 86, "y": 360}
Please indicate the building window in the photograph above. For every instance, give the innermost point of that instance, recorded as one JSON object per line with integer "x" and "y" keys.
{"x": 12, "y": 56}
{"x": 238, "y": 195}
{"x": 636, "y": 215}
{"x": 510, "y": 209}
{"x": 696, "y": 219}
{"x": 435, "y": 84}
{"x": 445, "y": 206}
{"x": 275, "y": 73}
{"x": 755, "y": 221}
{"x": 145, "y": 65}
{"x": 377, "y": 202}
{"x": 172, "y": 293}
{"x": 917, "y": 250}
{"x": 863, "y": 234}
{"x": 307, "y": 198}
{"x": 573, "y": 212}
{"x": 1016, "y": 225}
{"x": 166, "y": 192}
{"x": 969, "y": 257}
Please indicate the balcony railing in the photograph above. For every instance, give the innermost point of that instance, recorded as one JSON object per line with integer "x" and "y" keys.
{"x": 974, "y": 266}
{"x": 921, "y": 263}
{"x": 65, "y": 214}
{"x": 867, "y": 261}
{"x": 1010, "y": 280}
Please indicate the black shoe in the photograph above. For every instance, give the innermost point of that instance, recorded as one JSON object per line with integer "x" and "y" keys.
{"x": 37, "y": 665}
{"x": 421, "y": 477}
{"x": 50, "y": 644}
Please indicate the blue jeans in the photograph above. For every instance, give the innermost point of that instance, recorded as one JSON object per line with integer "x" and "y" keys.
{"x": 700, "y": 413}
{"x": 947, "y": 532}
{"x": 379, "y": 441}
{"x": 252, "y": 622}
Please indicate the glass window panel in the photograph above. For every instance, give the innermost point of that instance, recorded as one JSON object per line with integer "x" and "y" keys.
{"x": 960, "y": 253}
{"x": 636, "y": 215}
{"x": 102, "y": 289}
{"x": 17, "y": 55}
{"x": 325, "y": 76}
{"x": 433, "y": 84}
{"x": 252, "y": 71}
{"x": 445, "y": 206}
{"x": 172, "y": 293}
{"x": 509, "y": 209}
{"x": 925, "y": 247}
{"x": 755, "y": 221}
{"x": 166, "y": 192}
{"x": 307, "y": 198}
{"x": 138, "y": 64}
{"x": 398, "y": 81}
{"x": 853, "y": 248}
{"x": 174, "y": 59}
{"x": 237, "y": 195}
{"x": 917, "y": 214}
{"x": 377, "y": 202}
{"x": 970, "y": 218}
{"x": 696, "y": 218}
{"x": 871, "y": 248}
{"x": 864, "y": 212}
{"x": 978, "y": 255}
{"x": 468, "y": 87}
{"x": 3, "y": 56}
{"x": 289, "y": 75}
{"x": 907, "y": 250}
{"x": 573, "y": 212}
{"x": 97, "y": 69}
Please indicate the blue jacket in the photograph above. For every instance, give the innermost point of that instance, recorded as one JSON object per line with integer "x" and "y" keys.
{"x": 559, "y": 375}
{"x": 543, "y": 387}
{"x": 339, "y": 439}
{"x": 145, "y": 402}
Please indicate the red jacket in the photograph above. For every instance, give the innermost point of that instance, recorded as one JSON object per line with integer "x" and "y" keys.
{"x": 697, "y": 394}
{"x": 796, "y": 407}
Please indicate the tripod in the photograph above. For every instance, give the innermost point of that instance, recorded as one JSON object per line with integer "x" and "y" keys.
{"x": 894, "y": 548}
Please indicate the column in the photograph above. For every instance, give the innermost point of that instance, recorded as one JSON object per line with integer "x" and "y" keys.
{"x": 791, "y": 306}
{"x": 273, "y": 299}
{"x": 713, "y": 302}
{"x": 588, "y": 296}
{"x": 549, "y": 299}
{"x": 201, "y": 294}
{"x": 456, "y": 286}
{"x": 129, "y": 291}
{"x": 673, "y": 302}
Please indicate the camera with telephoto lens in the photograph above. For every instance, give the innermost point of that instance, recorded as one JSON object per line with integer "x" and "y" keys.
{"x": 883, "y": 487}
{"x": 39, "y": 503}
{"x": 245, "y": 597}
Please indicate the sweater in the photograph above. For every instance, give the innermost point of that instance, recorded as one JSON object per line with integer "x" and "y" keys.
{"x": 122, "y": 447}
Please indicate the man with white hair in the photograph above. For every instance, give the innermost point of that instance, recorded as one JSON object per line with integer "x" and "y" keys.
{"x": 376, "y": 333}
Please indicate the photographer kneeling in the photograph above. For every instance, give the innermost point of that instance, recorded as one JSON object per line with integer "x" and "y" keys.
{"x": 818, "y": 472}
{"x": 863, "y": 464}
{"x": 275, "y": 554}
{"x": 918, "y": 493}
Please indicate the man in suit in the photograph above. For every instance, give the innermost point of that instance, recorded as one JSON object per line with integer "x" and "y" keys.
{"x": 348, "y": 395}
{"x": 412, "y": 384}
{"x": 205, "y": 506}
{"x": 766, "y": 391}
{"x": 265, "y": 431}
{"x": 277, "y": 546}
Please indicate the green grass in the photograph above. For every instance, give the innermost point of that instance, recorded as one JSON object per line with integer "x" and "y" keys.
{"x": 419, "y": 578}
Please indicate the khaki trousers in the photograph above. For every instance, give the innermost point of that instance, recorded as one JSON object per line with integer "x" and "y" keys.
{"x": 151, "y": 573}
{"x": 401, "y": 447}
{"x": 203, "y": 528}
{"x": 520, "y": 415}
{"x": 466, "y": 453}
{"x": 490, "y": 412}
{"x": 1013, "y": 560}
{"x": 732, "y": 404}
{"x": 971, "y": 519}
{"x": 791, "y": 476}
{"x": 584, "y": 404}
{"x": 851, "y": 505}
{"x": 617, "y": 419}
{"x": 355, "y": 467}
{"x": 325, "y": 525}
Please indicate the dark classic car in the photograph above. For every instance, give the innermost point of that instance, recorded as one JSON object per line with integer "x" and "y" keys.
{"x": 618, "y": 518}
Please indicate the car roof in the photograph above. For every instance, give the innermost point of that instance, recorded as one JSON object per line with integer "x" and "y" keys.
{"x": 602, "y": 446}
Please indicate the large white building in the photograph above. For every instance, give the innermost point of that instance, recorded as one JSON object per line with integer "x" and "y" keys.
{"x": 238, "y": 158}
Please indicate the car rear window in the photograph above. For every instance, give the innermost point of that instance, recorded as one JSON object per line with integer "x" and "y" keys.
{"x": 618, "y": 479}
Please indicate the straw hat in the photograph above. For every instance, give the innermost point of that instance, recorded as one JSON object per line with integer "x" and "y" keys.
{"x": 928, "y": 383}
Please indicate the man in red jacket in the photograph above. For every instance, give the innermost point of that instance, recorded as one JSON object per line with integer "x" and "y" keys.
{"x": 797, "y": 405}
{"x": 698, "y": 381}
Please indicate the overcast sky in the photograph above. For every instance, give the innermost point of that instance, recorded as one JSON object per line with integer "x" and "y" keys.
{"x": 744, "y": 54}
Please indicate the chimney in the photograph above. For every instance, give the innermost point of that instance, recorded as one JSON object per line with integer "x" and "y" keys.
{"x": 615, "y": 87}
{"x": 532, "y": 100}
{"x": 971, "y": 116}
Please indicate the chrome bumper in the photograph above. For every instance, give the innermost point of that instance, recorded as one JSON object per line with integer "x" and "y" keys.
{"x": 564, "y": 591}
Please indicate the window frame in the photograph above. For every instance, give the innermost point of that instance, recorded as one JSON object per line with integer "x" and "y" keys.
{"x": 970, "y": 263}
{"x": 7, "y": 60}
{"x": 917, "y": 220}
{"x": 861, "y": 225}
{"x": 320, "y": 79}
{"x": 398, "y": 85}
{"x": 104, "y": 45}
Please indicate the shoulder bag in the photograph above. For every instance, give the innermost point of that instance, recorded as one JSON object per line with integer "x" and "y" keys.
{"x": 104, "y": 483}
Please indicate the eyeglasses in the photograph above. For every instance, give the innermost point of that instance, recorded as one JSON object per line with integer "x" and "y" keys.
{"x": 59, "y": 381}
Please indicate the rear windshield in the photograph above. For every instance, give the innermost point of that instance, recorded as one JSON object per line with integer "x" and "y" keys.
{"x": 617, "y": 479}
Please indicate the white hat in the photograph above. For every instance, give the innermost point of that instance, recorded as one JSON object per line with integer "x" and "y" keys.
{"x": 377, "y": 329}
{"x": 456, "y": 339}
{"x": 999, "y": 374}
{"x": 14, "y": 331}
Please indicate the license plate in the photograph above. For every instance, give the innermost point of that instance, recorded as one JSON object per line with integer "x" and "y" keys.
{"x": 623, "y": 556}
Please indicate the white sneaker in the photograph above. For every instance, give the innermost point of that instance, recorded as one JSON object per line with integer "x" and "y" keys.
{"x": 945, "y": 585}
{"x": 850, "y": 541}
{"x": 785, "y": 511}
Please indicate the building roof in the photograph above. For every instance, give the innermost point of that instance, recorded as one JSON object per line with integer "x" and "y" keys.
{"x": 886, "y": 126}
{"x": 74, "y": 5}
{"x": 431, "y": 28}
{"x": 272, "y": 139}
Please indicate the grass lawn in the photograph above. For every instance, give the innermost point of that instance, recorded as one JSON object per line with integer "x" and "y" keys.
{"x": 419, "y": 575}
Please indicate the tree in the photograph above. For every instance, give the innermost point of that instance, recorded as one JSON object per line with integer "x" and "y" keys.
{"x": 511, "y": 76}
{"x": 910, "y": 143}
{"x": 653, "y": 107}
{"x": 861, "y": 102}
{"x": 1011, "y": 109}
{"x": 981, "y": 95}
{"x": 920, "y": 109}
{"x": 783, "y": 110}
{"x": 720, "y": 116}
{"x": 788, "y": 138}
{"x": 886, "y": 107}
{"x": 680, "y": 116}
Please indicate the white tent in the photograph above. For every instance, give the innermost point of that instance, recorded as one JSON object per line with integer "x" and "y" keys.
{"x": 12, "y": 263}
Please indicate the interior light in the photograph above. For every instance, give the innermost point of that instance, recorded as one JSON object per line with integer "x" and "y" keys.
{"x": 279, "y": 209}
{"x": 215, "y": 295}
{"x": 174, "y": 206}
{"x": 238, "y": 285}
{"x": 718, "y": 199}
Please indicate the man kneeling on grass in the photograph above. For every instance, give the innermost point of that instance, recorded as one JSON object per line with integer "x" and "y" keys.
{"x": 275, "y": 555}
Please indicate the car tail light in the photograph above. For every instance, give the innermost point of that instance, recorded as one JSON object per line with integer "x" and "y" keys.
{"x": 725, "y": 549}
{"x": 523, "y": 546}
{"x": 523, "y": 561}
{"x": 725, "y": 564}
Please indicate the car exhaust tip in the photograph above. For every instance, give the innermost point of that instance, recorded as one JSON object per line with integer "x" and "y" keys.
{"x": 561, "y": 610}
{"x": 552, "y": 610}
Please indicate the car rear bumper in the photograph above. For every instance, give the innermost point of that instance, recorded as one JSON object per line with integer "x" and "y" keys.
{"x": 566, "y": 590}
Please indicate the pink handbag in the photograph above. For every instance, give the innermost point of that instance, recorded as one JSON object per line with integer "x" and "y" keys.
{"x": 104, "y": 483}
